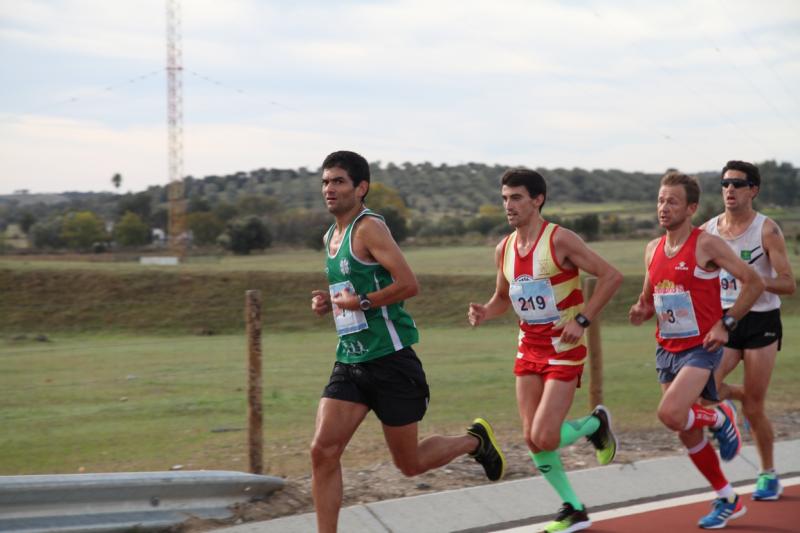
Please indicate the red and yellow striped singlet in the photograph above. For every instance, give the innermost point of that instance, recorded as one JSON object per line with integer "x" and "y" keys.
{"x": 542, "y": 340}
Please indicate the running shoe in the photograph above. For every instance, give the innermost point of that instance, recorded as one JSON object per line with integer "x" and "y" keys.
{"x": 488, "y": 453}
{"x": 568, "y": 519}
{"x": 603, "y": 439}
{"x": 768, "y": 488}
{"x": 727, "y": 435}
{"x": 721, "y": 511}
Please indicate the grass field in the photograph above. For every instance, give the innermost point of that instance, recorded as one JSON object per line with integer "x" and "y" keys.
{"x": 626, "y": 255}
{"x": 126, "y": 382}
{"x": 127, "y": 403}
{"x": 42, "y": 296}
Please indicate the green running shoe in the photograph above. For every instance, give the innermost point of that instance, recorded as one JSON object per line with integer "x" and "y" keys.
{"x": 568, "y": 520}
{"x": 603, "y": 440}
{"x": 488, "y": 453}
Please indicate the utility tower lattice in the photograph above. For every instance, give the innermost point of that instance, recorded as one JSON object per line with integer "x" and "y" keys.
{"x": 177, "y": 202}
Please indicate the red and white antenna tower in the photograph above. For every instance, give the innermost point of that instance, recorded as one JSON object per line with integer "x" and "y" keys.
{"x": 177, "y": 202}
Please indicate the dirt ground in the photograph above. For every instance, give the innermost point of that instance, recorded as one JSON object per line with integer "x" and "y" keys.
{"x": 383, "y": 481}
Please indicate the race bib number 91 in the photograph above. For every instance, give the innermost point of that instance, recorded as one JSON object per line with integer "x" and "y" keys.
{"x": 729, "y": 288}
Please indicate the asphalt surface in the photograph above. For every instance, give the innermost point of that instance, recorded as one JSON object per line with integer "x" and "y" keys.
{"x": 513, "y": 504}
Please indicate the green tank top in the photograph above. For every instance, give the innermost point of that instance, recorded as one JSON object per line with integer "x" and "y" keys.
{"x": 365, "y": 335}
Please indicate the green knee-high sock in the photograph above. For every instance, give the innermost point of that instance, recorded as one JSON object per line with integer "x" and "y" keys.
{"x": 571, "y": 430}
{"x": 551, "y": 467}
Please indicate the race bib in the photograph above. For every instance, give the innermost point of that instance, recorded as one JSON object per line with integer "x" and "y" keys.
{"x": 346, "y": 321}
{"x": 534, "y": 301}
{"x": 729, "y": 288}
{"x": 675, "y": 314}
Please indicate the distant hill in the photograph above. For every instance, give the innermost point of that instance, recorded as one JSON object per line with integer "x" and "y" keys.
{"x": 428, "y": 190}
{"x": 27, "y": 199}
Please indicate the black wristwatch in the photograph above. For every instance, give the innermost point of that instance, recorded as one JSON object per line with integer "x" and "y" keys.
{"x": 582, "y": 320}
{"x": 729, "y": 322}
{"x": 364, "y": 303}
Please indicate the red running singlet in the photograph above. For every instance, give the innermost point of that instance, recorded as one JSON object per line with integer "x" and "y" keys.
{"x": 686, "y": 296}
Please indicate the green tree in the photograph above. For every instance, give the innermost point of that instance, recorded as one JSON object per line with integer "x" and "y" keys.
{"x": 381, "y": 196}
{"x": 82, "y": 229}
{"x": 258, "y": 205}
{"x": 205, "y": 227}
{"x": 396, "y": 223}
{"x": 588, "y": 225}
{"x": 245, "y": 235}
{"x": 489, "y": 217}
{"x": 198, "y": 204}
{"x": 139, "y": 203}
{"x": 131, "y": 231}
{"x": 26, "y": 221}
{"x": 47, "y": 233}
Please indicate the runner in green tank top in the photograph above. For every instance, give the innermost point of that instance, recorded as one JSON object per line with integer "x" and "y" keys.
{"x": 376, "y": 368}
{"x": 374, "y": 332}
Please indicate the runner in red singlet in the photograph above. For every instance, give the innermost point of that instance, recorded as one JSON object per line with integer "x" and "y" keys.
{"x": 681, "y": 287}
{"x": 538, "y": 270}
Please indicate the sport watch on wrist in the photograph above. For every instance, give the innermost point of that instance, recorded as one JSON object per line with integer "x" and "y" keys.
{"x": 582, "y": 320}
{"x": 364, "y": 303}
{"x": 729, "y": 322}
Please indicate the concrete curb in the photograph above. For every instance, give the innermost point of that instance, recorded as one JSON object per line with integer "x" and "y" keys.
{"x": 528, "y": 501}
{"x": 122, "y": 501}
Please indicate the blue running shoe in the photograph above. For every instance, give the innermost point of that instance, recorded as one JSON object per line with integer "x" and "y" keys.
{"x": 768, "y": 488}
{"x": 727, "y": 435}
{"x": 721, "y": 511}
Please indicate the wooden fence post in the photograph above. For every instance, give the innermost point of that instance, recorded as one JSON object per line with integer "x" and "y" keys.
{"x": 255, "y": 435}
{"x": 595, "y": 350}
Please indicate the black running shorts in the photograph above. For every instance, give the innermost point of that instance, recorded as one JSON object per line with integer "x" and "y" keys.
{"x": 394, "y": 386}
{"x": 757, "y": 329}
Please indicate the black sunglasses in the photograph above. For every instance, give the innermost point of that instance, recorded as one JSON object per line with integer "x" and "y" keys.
{"x": 737, "y": 184}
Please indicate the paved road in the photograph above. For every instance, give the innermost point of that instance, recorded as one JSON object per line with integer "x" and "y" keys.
{"x": 681, "y": 514}
{"x": 513, "y": 504}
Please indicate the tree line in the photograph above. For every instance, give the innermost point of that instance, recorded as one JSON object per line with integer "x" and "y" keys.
{"x": 252, "y": 210}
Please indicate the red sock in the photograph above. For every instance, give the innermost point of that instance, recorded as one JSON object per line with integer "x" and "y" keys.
{"x": 707, "y": 462}
{"x": 701, "y": 417}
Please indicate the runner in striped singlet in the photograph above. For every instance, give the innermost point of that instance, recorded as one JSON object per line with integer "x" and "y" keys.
{"x": 376, "y": 367}
{"x": 681, "y": 288}
{"x": 538, "y": 270}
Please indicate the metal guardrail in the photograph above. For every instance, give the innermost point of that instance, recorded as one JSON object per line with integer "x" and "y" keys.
{"x": 140, "y": 501}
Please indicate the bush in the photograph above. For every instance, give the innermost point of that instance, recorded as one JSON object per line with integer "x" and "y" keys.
{"x": 205, "y": 227}
{"x": 247, "y": 234}
{"x": 82, "y": 230}
{"x": 47, "y": 234}
{"x": 131, "y": 231}
{"x": 396, "y": 223}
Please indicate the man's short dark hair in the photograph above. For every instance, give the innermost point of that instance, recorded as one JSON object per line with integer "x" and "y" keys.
{"x": 689, "y": 183}
{"x": 354, "y": 164}
{"x": 530, "y": 179}
{"x": 753, "y": 175}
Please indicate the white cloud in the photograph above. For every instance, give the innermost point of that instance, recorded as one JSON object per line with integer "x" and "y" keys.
{"x": 548, "y": 83}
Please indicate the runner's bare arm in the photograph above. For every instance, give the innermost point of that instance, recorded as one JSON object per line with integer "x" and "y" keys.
{"x": 775, "y": 246}
{"x": 643, "y": 310}
{"x": 576, "y": 252}
{"x": 499, "y": 302}
{"x": 573, "y": 252}
{"x": 374, "y": 236}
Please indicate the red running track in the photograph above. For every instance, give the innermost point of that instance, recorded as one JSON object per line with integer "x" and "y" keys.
{"x": 782, "y": 516}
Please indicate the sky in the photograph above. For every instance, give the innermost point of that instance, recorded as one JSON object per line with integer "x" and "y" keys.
{"x": 631, "y": 85}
